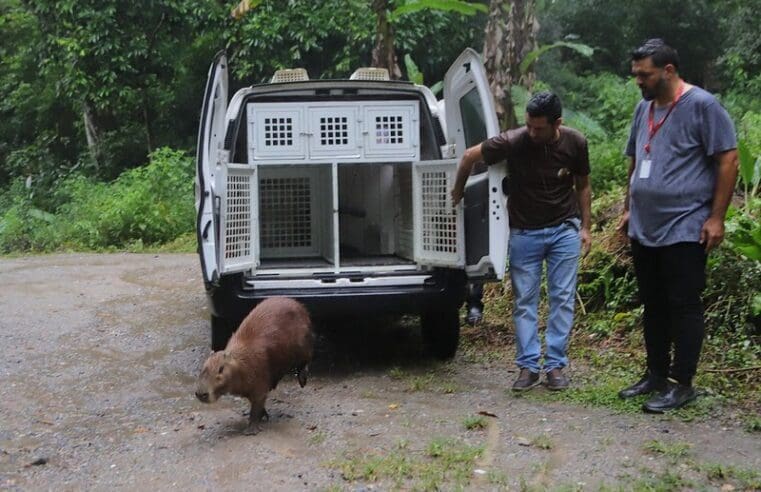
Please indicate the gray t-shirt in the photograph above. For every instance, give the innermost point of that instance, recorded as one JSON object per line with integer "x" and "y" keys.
{"x": 670, "y": 201}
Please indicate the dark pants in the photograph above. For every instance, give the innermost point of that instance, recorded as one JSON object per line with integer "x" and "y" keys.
{"x": 671, "y": 279}
{"x": 475, "y": 295}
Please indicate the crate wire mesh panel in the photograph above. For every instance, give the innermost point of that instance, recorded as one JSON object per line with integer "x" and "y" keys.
{"x": 438, "y": 223}
{"x": 278, "y": 131}
{"x": 333, "y": 133}
{"x": 285, "y": 206}
{"x": 334, "y": 130}
{"x": 275, "y": 132}
{"x": 293, "y": 203}
{"x": 237, "y": 251}
{"x": 389, "y": 129}
{"x": 392, "y": 131}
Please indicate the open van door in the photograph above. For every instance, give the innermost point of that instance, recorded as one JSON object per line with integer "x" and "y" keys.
{"x": 210, "y": 137}
{"x": 471, "y": 117}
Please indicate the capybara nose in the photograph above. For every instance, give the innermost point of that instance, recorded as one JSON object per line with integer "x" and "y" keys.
{"x": 203, "y": 396}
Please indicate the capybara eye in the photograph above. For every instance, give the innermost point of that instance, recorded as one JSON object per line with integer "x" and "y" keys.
{"x": 221, "y": 369}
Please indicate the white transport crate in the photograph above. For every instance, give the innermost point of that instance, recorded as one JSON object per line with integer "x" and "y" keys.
{"x": 338, "y": 131}
{"x": 336, "y": 217}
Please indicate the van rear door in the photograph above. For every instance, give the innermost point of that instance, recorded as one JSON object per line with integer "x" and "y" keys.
{"x": 471, "y": 117}
{"x": 210, "y": 138}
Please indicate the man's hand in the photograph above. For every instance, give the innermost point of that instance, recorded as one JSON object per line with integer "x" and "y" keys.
{"x": 457, "y": 193}
{"x": 464, "y": 168}
{"x": 586, "y": 240}
{"x": 712, "y": 233}
{"x": 623, "y": 223}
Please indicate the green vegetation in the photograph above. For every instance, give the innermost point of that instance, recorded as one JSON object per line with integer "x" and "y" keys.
{"x": 475, "y": 422}
{"x": 148, "y": 205}
{"x": 543, "y": 441}
{"x": 444, "y": 463}
{"x": 673, "y": 450}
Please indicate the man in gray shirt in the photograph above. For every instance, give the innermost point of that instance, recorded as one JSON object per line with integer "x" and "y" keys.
{"x": 683, "y": 170}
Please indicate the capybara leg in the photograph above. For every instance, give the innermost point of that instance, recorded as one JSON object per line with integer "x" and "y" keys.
{"x": 252, "y": 429}
{"x": 302, "y": 374}
{"x": 255, "y": 415}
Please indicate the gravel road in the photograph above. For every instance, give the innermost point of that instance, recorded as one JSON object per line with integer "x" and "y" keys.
{"x": 98, "y": 364}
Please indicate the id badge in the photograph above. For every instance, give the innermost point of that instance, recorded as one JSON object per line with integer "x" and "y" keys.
{"x": 644, "y": 168}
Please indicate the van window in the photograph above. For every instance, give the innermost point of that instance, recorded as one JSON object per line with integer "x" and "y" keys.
{"x": 473, "y": 120}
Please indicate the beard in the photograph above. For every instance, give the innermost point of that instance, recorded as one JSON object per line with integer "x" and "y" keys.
{"x": 660, "y": 87}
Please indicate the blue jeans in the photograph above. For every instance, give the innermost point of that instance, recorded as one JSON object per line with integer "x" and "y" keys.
{"x": 559, "y": 246}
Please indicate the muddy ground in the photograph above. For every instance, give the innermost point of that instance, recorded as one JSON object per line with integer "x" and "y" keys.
{"x": 100, "y": 353}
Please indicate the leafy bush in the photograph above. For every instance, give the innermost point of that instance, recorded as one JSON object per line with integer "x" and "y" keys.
{"x": 148, "y": 205}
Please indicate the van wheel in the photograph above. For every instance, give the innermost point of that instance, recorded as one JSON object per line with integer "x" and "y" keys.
{"x": 441, "y": 332}
{"x": 221, "y": 331}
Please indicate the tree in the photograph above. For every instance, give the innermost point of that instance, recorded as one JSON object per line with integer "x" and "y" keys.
{"x": 387, "y": 14}
{"x": 116, "y": 62}
{"x": 510, "y": 36}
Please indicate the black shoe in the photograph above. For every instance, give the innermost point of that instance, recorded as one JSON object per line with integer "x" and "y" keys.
{"x": 475, "y": 315}
{"x": 648, "y": 384}
{"x": 526, "y": 380}
{"x": 674, "y": 396}
{"x": 556, "y": 380}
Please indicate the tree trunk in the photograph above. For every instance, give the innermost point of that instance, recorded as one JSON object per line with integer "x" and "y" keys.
{"x": 92, "y": 133}
{"x": 147, "y": 125}
{"x": 510, "y": 35}
{"x": 384, "y": 55}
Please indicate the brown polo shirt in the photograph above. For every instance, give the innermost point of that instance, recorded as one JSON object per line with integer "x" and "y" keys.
{"x": 540, "y": 181}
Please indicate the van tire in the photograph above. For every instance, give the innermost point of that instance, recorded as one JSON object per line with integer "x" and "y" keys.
{"x": 441, "y": 332}
{"x": 221, "y": 331}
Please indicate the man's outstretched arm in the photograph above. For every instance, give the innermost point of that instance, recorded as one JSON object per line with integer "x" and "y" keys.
{"x": 464, "y": 168}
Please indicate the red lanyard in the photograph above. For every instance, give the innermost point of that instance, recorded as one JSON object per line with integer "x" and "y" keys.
{"x": 652, "y": 127}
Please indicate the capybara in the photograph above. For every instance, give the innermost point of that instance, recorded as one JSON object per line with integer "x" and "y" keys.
{"x": 274, "y": 339}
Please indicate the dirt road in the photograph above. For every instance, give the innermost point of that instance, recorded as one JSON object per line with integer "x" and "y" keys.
{"x": 100, "y": 354}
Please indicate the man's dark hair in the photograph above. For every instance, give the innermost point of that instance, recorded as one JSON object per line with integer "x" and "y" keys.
{"x": 657, "y": 49}
{"x": 545, "y": 104}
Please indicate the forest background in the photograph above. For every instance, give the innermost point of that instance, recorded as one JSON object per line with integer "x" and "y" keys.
{"x": 100, "y": 102}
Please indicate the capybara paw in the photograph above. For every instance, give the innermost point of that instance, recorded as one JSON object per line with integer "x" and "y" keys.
{"x": 302, "y": 376}
{"x": 252, "y": 429}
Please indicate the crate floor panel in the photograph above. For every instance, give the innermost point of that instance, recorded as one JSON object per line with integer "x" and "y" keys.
{"x": 375, "y": 260}
{"x": 310, "y": 262}
{"x": 314, "y": 262}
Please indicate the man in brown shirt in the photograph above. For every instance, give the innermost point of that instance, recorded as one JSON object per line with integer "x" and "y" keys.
{"x": 549, "y": 203}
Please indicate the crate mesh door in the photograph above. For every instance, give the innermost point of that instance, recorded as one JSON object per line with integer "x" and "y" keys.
{"x": 236, "y": 243}
{"x": 275, "y": 132}
{"x": 438, "y": 224}
{"x": 392, "y": 131}
{"x": 333, "y": 132}
{"x": 288, "y": 212}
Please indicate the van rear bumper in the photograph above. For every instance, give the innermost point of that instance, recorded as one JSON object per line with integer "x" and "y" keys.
{"x": 232, "y": 298}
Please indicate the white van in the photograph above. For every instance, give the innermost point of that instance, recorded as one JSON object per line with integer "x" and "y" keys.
{"x": 337, "y": 193}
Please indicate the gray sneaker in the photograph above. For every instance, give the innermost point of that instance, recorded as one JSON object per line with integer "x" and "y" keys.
{"x": 526, "y": 380}
{"x": 556, "y": 380}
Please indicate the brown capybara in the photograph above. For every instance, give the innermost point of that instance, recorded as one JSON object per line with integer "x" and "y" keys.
{"x": 274, "y": 339}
